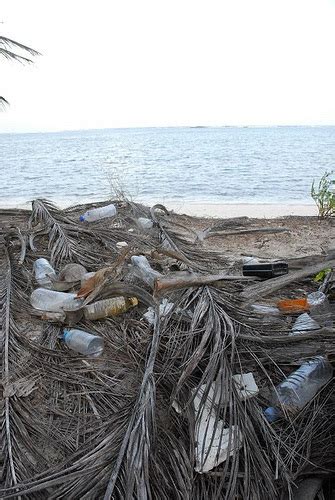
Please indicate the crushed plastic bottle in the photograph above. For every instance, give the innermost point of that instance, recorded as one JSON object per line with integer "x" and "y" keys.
{"x": 303, "y": 323}
{"x": 143, "y": 270}
{"x": 144, "y": 223}
{"x": 95, "y": 214}
{"x": 52, "y": 301}
{"x": 109, "y": 307}
{"x": 83, "y": 342}
{"x": 44, "y": 272}
{"x": 320, "y": 308}
{"x": 299, "y": 388}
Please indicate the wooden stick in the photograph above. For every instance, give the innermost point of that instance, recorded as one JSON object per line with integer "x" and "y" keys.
{"x": 166, "y": 284}
{"x": 237, "y": 232}
{"x": 272, "y": 285}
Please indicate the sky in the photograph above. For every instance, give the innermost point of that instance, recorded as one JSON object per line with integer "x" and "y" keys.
{"x": 143, "y": 63}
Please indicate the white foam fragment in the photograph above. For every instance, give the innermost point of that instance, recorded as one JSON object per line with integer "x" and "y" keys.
{"x": 245, "y": 385}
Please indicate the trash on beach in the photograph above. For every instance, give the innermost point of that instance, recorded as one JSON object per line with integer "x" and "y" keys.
{"x": 214, "y": 441}
{"x": 53, "y": 301}
{"x": 144, "y": 223}
{"x": 265, "y": 270}
{"x": 109, "y": 307}
{"x": 95, "y": 214}
{"x": 44, "y": 273}
{"x": 174, "y": 396}
{"x": 299, "y": 388}
{"x": 165, "y": 307}
{"x": 293, "y": 305}
{"x": 304, "y": 323}
{"x": 83, "y": 342}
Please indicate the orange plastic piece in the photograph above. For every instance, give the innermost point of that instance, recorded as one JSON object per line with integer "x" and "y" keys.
{"x": 293, "y": 305}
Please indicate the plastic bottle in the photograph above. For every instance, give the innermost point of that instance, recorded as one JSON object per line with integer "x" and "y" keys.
{"x": 98, "y": 213}
{"x": 109, "y": 307}
{"x": 299, "y": 388}
{"x": 320, "y": 308}
{"x": 303, "y": 323}
{"x": 50, "y": 300}
{"x": 44, "y": 272}
{"x": 143, "y": 270}
{"x": 144, "y": 223}
{"x": 83, "y": 342}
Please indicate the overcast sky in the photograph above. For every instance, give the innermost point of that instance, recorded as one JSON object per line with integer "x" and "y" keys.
{"x": 125, "y": 63}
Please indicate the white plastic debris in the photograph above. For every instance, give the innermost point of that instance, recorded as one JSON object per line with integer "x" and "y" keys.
{"x": 214, "y": 442}
{"x": 164, "y": 308}
{"x": 144, "y": 223}
{"x": 245, "y": 385}
{"x": 264, "y": 309}
{"x": 121, "y": 244}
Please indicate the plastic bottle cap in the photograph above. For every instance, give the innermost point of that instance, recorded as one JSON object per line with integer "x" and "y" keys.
{"x": 271, "y": 414}
{"x": 82, "y": 218}
{"x": 65, "y": 334}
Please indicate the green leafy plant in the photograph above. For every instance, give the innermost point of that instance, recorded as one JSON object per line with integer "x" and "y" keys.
{"x": 324, "y": 195}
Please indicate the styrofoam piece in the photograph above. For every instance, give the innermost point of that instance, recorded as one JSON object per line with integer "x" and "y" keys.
{"x": 121, "y": 244}
{"x": 164, "y": 309}
{"x": 245, "y": 385}
{"x": 214, "y": 442}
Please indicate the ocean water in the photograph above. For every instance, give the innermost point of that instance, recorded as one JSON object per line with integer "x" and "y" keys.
{"x": 217, "y": 165}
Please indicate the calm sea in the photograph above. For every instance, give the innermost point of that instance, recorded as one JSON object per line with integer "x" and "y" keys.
{"x": 225, "y": 165}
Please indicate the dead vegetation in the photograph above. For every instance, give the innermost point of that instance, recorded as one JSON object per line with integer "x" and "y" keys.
{"x": 82, "y": 428}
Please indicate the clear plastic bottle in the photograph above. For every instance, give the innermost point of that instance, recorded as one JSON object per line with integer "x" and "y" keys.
{"x": 109, "y": 307}
{"x": 299, "y": 388}
{"x": 83, "y": 342}
{"x": 143, "y": 270}
{"x": 44, "y": 272}
{"x": 50, "y": 300}
{"x": 304, "y": 323}
{"x": 320, "y": 308}
{"x": 95, "y": 214}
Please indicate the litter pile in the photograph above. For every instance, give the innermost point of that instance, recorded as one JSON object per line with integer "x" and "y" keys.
{"x": 139, "y": 363}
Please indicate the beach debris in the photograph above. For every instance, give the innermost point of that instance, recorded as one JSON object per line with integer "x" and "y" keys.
{"x": 320, "y": 308}
{"x": 144, "y": 223}
{"x": 321, "y": 276}
{"x": 83, "y": 342}
{"x": 44, "y": 273}
{"x": 270, "y": 286}
{"x": 214, "y": 442}
{"x": 95, "y": 214}
{"x": 143, "y": 270}
{"x": 265, "y": 309}
{"x": 293, "y": 305}
{"x": 109, "y": 307}
{"x": 265, "y": 270}
{"x": 177, "y": 281}
{"x": 165, "y": 307}
{"x": 72, "y": 273}
{"x": 303, "y": 323}
{"x": 245, "y": 385}
{"x": 299, "y": 388}
{"x": 121, "y": 244}
{"x": 53, "y": 301}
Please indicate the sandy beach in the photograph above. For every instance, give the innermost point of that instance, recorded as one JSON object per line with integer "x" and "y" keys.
{"x": 198, "y": 209}
{"x": 226, "y": 210}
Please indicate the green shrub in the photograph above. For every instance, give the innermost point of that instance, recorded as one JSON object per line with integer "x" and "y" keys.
{"x": 324, "y": 195}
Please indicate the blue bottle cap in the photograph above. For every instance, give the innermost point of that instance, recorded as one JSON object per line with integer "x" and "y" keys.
{"x": 81, "y": 218}
{"x": 271, "y": 414}
{"x": 65, "y": 334}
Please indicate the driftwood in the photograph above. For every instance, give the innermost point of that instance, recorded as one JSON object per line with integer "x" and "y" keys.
{"x": 267, "y": 287}
{"x": 269, "y": 230}
{"x": 166, "y": 284}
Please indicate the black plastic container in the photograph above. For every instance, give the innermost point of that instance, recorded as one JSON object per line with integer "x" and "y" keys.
{"x": 265, "y": 270}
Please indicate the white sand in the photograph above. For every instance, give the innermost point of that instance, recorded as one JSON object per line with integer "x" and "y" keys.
{"x": 220, "y": 210}
{"x": 225, "y": 210}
